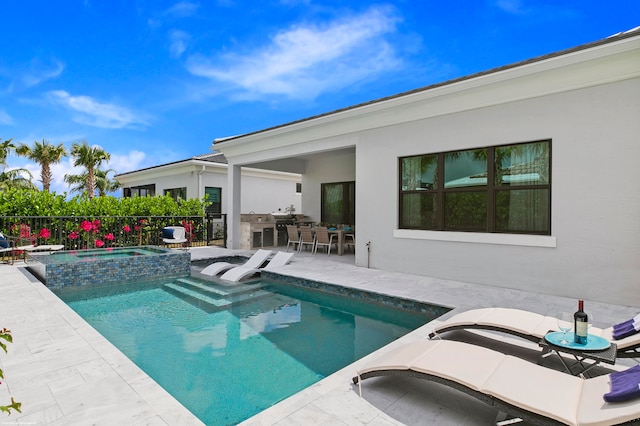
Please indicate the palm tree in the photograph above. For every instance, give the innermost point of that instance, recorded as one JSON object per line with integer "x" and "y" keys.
{"x": 78, "y": 183}
{"x": 5, "y": 149}
{"x": 44, "y": 154}
{"x": 13, "y": 178}
{"x": 89, "y": 157}
{"x": 104, "y": 185}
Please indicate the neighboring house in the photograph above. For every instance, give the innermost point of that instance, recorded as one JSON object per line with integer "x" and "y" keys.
{"x": 265, "y": 191}
{"x": 520, "y": 177}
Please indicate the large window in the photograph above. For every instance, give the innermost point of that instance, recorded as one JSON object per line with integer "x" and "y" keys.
{"x": 339, "y": 203}
{"x": 176, "y": 193}
{"x": 140, "y": 191}
{"x": 213, "y": 195}
{"x": 504, "y": 189}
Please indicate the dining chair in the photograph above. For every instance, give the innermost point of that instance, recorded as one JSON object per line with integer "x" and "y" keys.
{"x": 293, "y": 236}
{"x": 323, "y": 239}
{"x": 306, "y": 238}
{"x": 350, "y": 241}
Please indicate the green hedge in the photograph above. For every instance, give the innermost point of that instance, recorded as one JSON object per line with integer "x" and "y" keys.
{"x": 19, "y": 202}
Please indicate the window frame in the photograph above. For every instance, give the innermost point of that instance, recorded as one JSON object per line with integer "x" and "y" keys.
{"x": 176, "y": 193}
{"x": 491, "y": 189}
{"x": 135, "y": 191}
{"x": 348, "y": 197}
{"x": 215, "y": 208}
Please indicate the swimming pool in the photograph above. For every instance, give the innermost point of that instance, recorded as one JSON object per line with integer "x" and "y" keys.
{"x": 228, "y": 363}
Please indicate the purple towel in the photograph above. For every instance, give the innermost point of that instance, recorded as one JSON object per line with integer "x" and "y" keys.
{"x": 624, "y": 329}
{"x": 625, "y": 385}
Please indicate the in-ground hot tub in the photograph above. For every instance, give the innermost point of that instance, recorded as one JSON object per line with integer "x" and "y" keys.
{"x": 105, "y": 265}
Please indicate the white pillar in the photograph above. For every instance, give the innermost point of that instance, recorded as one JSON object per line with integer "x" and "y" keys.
{"x": 234, "y": 174}
{"x": 200, "y": 184}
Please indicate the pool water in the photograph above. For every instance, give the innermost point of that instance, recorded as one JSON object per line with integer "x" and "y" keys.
{"x": 104, "y": 253}
{"x": 228, "y": 363}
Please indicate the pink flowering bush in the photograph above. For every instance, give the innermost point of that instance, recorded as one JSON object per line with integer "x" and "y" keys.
{"x": 90, "y": 230}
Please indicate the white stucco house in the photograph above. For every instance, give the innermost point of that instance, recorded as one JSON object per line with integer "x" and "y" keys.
{"x": 520, "y": 177}
{"x": 265, "y": 191}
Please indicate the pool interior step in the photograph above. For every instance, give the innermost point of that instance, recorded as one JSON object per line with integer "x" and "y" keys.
{"x": 212, "y": 298}
{"x": 209, "y": 287}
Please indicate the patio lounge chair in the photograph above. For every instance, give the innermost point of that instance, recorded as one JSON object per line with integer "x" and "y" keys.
{"x": 521, "y": 389}
{"x": 174, "y": 235}
{"x": 7, "y": 253}
{"x": 239, "y": 272}
{"x": 255, "y": 261}
{"x": 527, "y": 325}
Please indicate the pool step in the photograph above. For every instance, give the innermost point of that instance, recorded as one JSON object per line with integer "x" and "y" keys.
{"x": 210, "y": 303}
{"x": 213, "y": 289}
{"x": 201, "y": 287}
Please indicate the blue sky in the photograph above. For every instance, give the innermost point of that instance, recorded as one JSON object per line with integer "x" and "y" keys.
{"x": 155, "y": 81}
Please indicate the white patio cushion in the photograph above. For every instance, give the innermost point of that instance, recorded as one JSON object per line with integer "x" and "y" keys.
{"x": 594, "y": 411}
{"x": 537, "y": 389}
{"x": 401, "y": 358}
{"x": 524, "y": 322}
{"x": 460, "y": 362}
{"x": 531, "y": 387}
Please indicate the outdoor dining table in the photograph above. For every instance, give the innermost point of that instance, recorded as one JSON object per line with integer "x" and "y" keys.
{"x": 340, "y": 233}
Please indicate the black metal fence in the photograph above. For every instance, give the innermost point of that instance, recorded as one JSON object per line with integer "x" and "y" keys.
{"x": 78, "y": 232}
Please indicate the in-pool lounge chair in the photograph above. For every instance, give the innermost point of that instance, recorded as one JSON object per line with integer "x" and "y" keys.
{"x": 527, "y": 325}
{"x": 522, "y": 389}
{"x": 239, "y": 272}
{"x": 255, "y": 261}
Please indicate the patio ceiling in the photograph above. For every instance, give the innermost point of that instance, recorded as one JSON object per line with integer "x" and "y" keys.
{"x": 297, "y": 163}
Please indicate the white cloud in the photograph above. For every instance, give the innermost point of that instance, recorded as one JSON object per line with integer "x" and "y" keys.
{"x": 41, "y": 71}
{"x": 179, "y": 40}
{"x": 133, "y": 160}
{"x": 93, "y": 113}
{"x": 5, "y": 118}
{"x": 510, "y": 6}
{"x": 58, "y": 171}
{"x": 182, "y": 9}
{"x": 306, "y": 60}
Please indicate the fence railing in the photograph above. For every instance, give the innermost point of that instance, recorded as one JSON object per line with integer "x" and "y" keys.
{"x": 78, "y": 232}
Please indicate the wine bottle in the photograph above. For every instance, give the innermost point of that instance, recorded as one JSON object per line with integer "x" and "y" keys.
{"x": 580, "y": 324}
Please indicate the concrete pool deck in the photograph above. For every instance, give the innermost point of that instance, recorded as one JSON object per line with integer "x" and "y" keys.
{"x": 65, "y": 373}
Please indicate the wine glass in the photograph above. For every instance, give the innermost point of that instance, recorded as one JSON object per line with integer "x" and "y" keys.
{"x": 564, "y": 324}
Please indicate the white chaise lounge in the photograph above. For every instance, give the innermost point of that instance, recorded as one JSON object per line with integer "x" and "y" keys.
{"x": 522, "y": 389}
{"x": 239, "y": 272}
{"x": 255, "y": 261}
{"x": 527, "y": 325}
